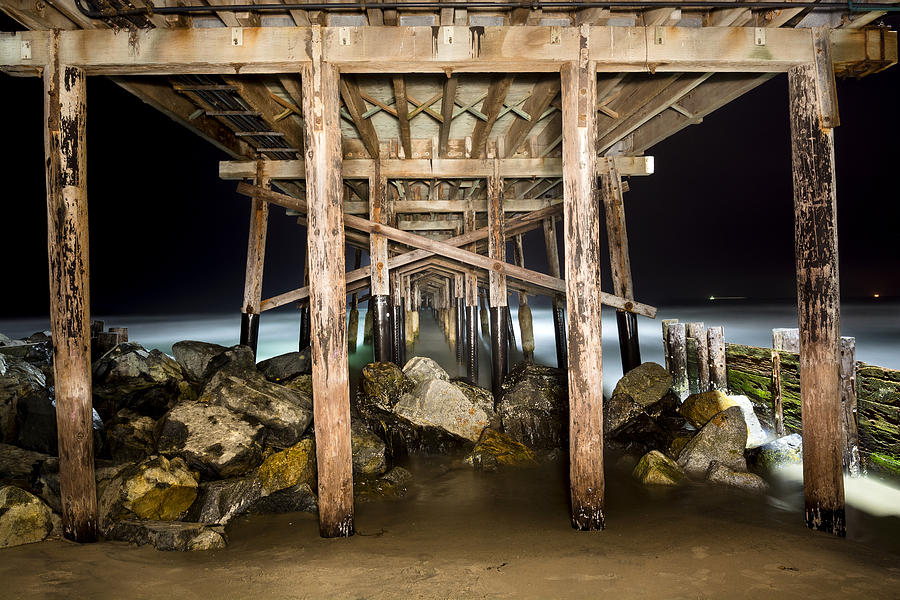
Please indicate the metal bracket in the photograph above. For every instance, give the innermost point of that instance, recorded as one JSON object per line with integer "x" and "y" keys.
{"x": 759, "y": 36}
{"x": 237, "y": 36}
{"x": 554, "y": 34}
{"x": 26, "y": 49}
{"x": 660, "y": 36}
{"x": 448, "y": 35}
{"x": 344, "y": 36}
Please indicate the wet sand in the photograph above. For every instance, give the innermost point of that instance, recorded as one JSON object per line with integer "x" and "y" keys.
{"x": 462, "y": 534}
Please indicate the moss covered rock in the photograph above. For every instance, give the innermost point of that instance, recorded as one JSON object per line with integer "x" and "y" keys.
{"x": 369, "y": 451}
{"x": 534, "y": 406}
{"x": 381, "y": 385}
{"x": 156, "y": 489}
{"x": 655, "y": 468}
{"x": 290, "y": 467}
{"x": 698, "y": 409}
{"x": 497, "y": 450}
{"x": 749, "y": 482}
{"x": 722, "y": 439}
{"x": 392, "y": 485}
{"x": 646, "y": 383}
{"x": 24, "y": 519}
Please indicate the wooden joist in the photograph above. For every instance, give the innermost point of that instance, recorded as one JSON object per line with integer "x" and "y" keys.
{"x": 439, "y": 168}
{"x": 415, "y": 50}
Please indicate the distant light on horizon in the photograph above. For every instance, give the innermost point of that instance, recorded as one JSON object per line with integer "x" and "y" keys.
{"x": 876, "y": 295}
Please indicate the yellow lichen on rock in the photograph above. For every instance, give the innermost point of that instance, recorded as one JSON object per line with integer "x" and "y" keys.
{"x": 289, "y": 467}
{"x": 698, "y": 409}
{"x": 495, "y": 449}
{"x": 655, "y": 468}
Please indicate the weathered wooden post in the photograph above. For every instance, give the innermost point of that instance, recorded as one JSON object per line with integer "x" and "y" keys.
{"x": 397, "y": 341}
{"x": 677, "y": 358}
{"x": 327, "y": 291}
{"x": 559, "y": 301}
{"x": 353, "y": 325}
{"x": 665, "y": 340}
{"x": 526, "y": 327}
{"x": 65, "y": 113}
{"x": 483, "y": 315}
{"x": 460, "y": 321}
{"x": 305, "y": 331}
{"x": 409, "y": 320}
{"x": 813, "y": 114}
{"x": 783, "y": 340}
{"x": 368, "y": 323}
{"x": 379, "y": 284}
{"x": 698, "y": 351}
{"x": 849, "y": 425}
{"x": 471, "y": 291}
{"x": 718, "y": 373}
{"x": 620, "y": 261}
{"x": 256, "y": 255}
{"x": 497, "y": 281}
{"x": 582, "y": 221}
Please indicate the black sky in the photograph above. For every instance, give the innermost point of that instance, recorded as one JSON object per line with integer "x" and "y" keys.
{"x": 168, "y": 236}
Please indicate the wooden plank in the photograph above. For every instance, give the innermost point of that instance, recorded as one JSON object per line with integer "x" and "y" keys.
{"x": 402, "y": 104}
{"x": 542, "y": 94}
{"x": 617, "y": 235}
{"x": 328, "y": 301}
{"x": 496, "y": 238}
{"x": 256, "y": 252}
{"x": 255, "y": 93}
{"x": 356, "y": 106}
{"x": 448, "y": 100}
{"x": 65, "y": 114}
{"x": 379, "y": 212}
{"x": 441, "y": 168}
{"x": 582, "y": 264}
{"x": 818, "y": 299}
{"x": 497, "y": 90}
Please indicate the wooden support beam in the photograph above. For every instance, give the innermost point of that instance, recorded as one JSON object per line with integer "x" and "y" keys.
{"x": 328, "y": 301}
{"x": 491, "y": 106}
{"x": 582, "y": 259}
{"x": 65, "y": 114}
{"x": 542, "y": 95}
{"x": 379, "y": 212}
{"x": 256, "y": 251}
{"x": 448, "y": 100}
{"x": 496, "y": 238}
{"x": 402, "y": 104}
{"x": 255, "y": 93}
{"x": 441, "y": 168}
{"x": 448, "y": 250}
{"x": 356, "y": 106}
{"x": 818, "y": 292}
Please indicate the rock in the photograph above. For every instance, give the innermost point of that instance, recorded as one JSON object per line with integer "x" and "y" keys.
{"x": 756, "y": 435}
{"x": 698, "y": 409}
{"x": 283, "y": 413}
{"x": 194, "y": 357}
{"x": 156, "y": 489}
{"x": 420, "y": 368}
{"x": 286, "y": 366}
{"x": 497, "y": 450}
{"x": 301, "y": 384}
{"x": 534, "y": 406}
{"x": 212, "y": 439}
{"x": 36, "y": 424}
{"x": 787, "y": 450}
{"x": 679, "y": 442}
{"x": 24, "y": 519}
{"x": 34, "y": 353}
{"x": 297, "y": 498}
{"x": 168, "y": 535}
{"x": 640, "y": 435}
{"x": 130, "y": 437}
{"x": 619, "y": 410}
{"x": 666, "y": 413}
{"x": 289, "y": 467}
{"x": 147, "y": 382}
{"x": 238, "y": 361}
{"x": 20, "y": 382}
{"x": 722, "y": 439}
{"x": 443, "y": 405}
{"x": 646, "y": 383}
{"x": 369, "y": 451}
{"x": 719, "y": 473}
{"x": 381, "y": 385}
{"x": 655, "y": 468}
{"x": 220, "y": 501}
{"x": 32, "y": 471}
{"x": 392, "y": 485}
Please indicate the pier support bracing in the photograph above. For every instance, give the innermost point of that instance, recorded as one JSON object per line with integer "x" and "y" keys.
{"x": 65, "y": 111}
{"x": 497, "y": 282}
{"x": 256, "y": 256}
{"x": 813, "y": 114}
{"x": 327, "y": 293}
{"x": 582, "y": 256}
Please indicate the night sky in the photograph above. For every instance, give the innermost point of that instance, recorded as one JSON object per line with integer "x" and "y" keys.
{"x": 167, "y": 236}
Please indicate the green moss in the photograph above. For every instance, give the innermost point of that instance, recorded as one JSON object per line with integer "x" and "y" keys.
{"x": 884, "y": 463}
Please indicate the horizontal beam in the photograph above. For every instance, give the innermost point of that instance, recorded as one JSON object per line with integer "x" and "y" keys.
{"x": 448, "y": 250}
{"x": 252, "y": 50}
{"x": 426, "y": 168}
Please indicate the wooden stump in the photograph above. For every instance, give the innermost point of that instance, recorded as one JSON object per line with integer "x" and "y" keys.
{"x": 718, "y": 373}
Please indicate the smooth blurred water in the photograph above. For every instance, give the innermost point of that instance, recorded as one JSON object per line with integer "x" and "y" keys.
{"x": 875, "y": 324}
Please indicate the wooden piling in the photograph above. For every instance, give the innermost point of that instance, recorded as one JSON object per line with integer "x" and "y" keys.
{"x": 497, "y": 281}
{"x": 304, "y": 341}
{"x": 379, "y": 283}
{"x": 353, "y": 325}
{"x": 65, "y": 111}
{"x": 718, "y": 373}
{"x": 471, "y": 292}
{"x": 526, "y": 326}
{"x": 783, "y": 340}
{"x": 849, "y": 424}
{"x": 665, "y": 339}
{"x": 677, "y": 358}
{"x": 327, "y": 292}
{"x": 818, "y": 295}
{"x": 256, "y": 256}
{"x": 484, "y": 317}
{"x": 582, "y": 256}
{"x": 697, "y": 332}
{"x": 559, "y": 301}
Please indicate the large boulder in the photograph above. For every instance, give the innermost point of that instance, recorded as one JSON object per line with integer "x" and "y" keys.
{"x": 496, "y": 450}
{"x": 646, "y": 383}
{"x": 156, "y": 489}
{"x": 722, "y": 475}
{"x": 380, "y": 387}
{"x": 145, "y": 381}
{"x": 655, "y": 468}
{"x": 168, "y": 535}
{"x": 36, "y": 424}
{"x": 289, "y": 467}
{"x": 283, "y": 413}
{"x": 369, "y": 452}
{"x": 211, "y": 439}
{"x": 756, "y": 435}
{"x": 220, "y": 501}
{"x": 534, "y": 406}
{"x": 194, "y": 357}
{"x": 297, "y": 498}
{"x": 20, "y": 382}
{"x": 32, "y": 471}
{"x": 454, "y": 408}
{"x": 722, "y": 439}
{"x": 286, "y": 366}
{"x": 619, "y": 410}
{"x": 130, "y": 437}
{"x": 392, "y": 485}
{"x": 24, "y": 519}
{"x": 420, "y": 368}
{"x": 784, "y": 451}
{"x": 239, "y": 361}
{"x": 698, "y": 409}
